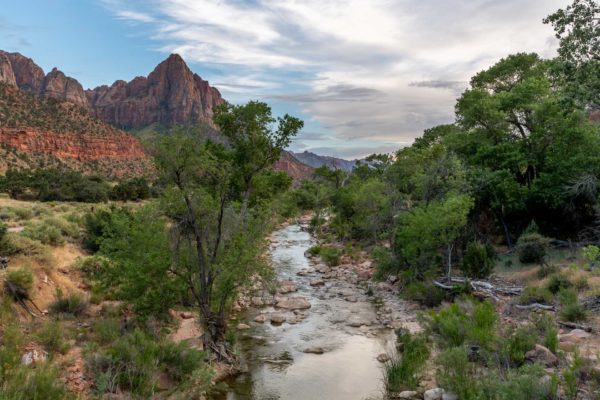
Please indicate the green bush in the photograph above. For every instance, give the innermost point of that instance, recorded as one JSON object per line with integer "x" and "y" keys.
{"x": 27, "y": 383}
{"x": 23, "y": 213}
{"x": 571, "y": 308}
{"x": 535, "y": 294}
{"x": 330, "y": 256}
{"x": 548, "y": 331}
{"x": 15, "y": 243}
{"x": 131, "y": 363}
{"x": 403, "y": 371}
{"x": 468, "y": 322}
{"x": 425, "y": 293}
{"x": 315, "y": 250}
{"x": 65, "y": 227}
{"x": 21, "y": 279}
{"x": 44, "y": 233}
{"x": 479, "y": 260}
{"x": 558, "y": 282}
{"x": 94, "y": 267}
{"x": 107, "y": 330}
{"x": 73, "y": 304}
{"x": 531, "y": 248}
{"x": 457, "y": 375}
{"x": 52, "y": 337}
{"x": 518, "y": 343}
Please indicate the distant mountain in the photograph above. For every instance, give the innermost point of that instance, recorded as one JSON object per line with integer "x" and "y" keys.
{"x": 316, "y": 161}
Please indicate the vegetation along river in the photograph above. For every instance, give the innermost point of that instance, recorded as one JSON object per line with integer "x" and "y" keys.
{"x": 341, "y": 322}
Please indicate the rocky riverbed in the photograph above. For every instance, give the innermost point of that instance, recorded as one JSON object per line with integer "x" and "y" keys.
{"x": 324, "y": 335}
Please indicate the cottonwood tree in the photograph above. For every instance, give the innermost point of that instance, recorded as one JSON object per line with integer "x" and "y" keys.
{"x": 217, "y": 235}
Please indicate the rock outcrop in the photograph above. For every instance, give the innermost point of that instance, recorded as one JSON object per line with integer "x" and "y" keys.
{"x": 171, "y": 94}
{"x": 7, "y": 74}
{"x": 294, "y": 168}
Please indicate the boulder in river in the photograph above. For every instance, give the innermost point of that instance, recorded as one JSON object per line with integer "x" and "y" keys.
{"x": 293, "y": 303}
{"x": 433, "y": 394}
{"x": 261, "y": 318}
{"x": 243, "y": 327}
{"x": 277, "y": 319}
{"x": 314, "y": 350}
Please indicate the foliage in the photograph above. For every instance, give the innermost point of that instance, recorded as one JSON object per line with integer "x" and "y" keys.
{"x": 132, "y": 361}
{"x": 52, "y": 337}
{"x": 20, "y": 278}
{"x": 134, "y": 189}
{"x": 73, "y": 304}
{"x": 572, "y": 310}
{"x": 591, "y": 254}
{"x": 558, "y": 282}
{"x": 519, "y": 342}
{"x": 479, "y": 260}
{"x": 425, "y": 293}
{"x": 427, "y": 231}
{"x": 139, "y": 250}
{"x": 44, "y": 233}
{"x": 466, "y": 322}
{"x": 403, "y": 371}
{"x": 535, "y": 294}
{"x": 531, "y": 248}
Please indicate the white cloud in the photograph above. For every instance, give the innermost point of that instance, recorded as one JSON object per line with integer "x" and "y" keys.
{"x": 383, "y": 70}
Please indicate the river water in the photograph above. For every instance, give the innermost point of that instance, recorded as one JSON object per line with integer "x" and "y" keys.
{"x": 342, "y": 321}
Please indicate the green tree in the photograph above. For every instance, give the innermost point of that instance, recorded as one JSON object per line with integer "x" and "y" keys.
{"x": 430, "y": 230}
{"x": 578, "y": 65}
{"x": 217, "y": 233}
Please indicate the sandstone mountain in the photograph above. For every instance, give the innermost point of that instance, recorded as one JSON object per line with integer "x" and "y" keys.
{"x": 170, "y": 95}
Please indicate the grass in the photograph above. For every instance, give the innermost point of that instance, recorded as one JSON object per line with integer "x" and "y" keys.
{"x": 52, "y": 337}
{"x": 73, "y": 304}
{"x": 21, "y": 278}
{"x": 535, "y": 294}
{"x": 403, "y": 371}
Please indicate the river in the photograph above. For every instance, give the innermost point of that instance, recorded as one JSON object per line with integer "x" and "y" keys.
{"x": 342, "y": 322}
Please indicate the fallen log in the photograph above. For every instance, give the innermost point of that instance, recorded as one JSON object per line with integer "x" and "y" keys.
{"x": 573, "y": 325}
{"x": 535, "y": 306}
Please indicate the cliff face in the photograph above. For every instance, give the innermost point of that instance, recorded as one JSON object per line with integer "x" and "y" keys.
{"x": 36, "y": 131}
{"x": 294, "y": 168}
{"x": 171, "y": 94}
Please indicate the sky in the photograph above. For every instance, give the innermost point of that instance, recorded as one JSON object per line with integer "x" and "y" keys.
{"x": 366, "y": 76}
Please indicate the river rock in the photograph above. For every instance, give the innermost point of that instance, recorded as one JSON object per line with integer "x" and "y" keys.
{"x": 277, "y": 319}
{"x": 186, "y": 315}
{"x": 243, "y": 327}
{"x": 433, "y": 394}
{"x": 382, "y": 358}
{"x": 34, "y": 356}
{"x": 257, "y": 301}
{"x": 287, "y": 287}
{"x": 261, "y": 318}
{"x": 314, "y": 350}
{"x": 293, "y": 303}
{"x": 317, "y": 282}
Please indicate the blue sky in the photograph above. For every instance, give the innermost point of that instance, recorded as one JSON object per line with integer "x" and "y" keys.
{"x": 365, "y": 75}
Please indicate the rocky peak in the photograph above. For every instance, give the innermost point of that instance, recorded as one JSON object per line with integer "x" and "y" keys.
{"x": 171, "y": 94}
{"x": 28, "y": 75}
{"x": 61, "y": 87}
{"x": 7, "y": 74}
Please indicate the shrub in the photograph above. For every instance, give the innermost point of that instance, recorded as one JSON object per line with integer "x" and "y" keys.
{"x": 548, "y": 331}
{"x": 479, "y": 260}
{"x": 531, "y": 248}
{"x": 132, "y": 361}
{"x": 591, "y": 255}
{"x": 21, "y": 279}
{"x": 456, "y": 373}
{"x": 52, "y": 337}
{"x": 108, "y": 330}
{"x": 546, "y": 270}
{"x": 518, "y": 343}
{"x": 425, "y": 293}
{"x": 72, "y": 304}
{"x": 18, "y": 244}
{"x": 94, "y": 267}
{"x": 23, "y": 213}
{"x": 535, "y": 294}
{"x": 571, "y": 309}
{"x": 402, "y": 372}
{"x": 3, "y": 238}
{"x": 44, "y": 233}
{"x": 330, "y": 255}
{"x": 469, "y": 322}
{"x": 315, "y": 250}
{"x": 526, "y": 383}
{"x": 558, "y": 282}
{"x": 41, "y": 382}
{"x": 65, "y": 227}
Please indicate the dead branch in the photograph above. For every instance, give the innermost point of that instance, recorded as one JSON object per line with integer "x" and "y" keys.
{"x": 573, "y": 325}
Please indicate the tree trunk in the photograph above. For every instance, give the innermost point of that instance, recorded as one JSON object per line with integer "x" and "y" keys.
{"x": 213, "y": 337}
{"x": 450, "y": 247}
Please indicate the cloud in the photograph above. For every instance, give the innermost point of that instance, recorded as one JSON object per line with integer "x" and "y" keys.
{"x": 380, "y": 70}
